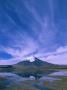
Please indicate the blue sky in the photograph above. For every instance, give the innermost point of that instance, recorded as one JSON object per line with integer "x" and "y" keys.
{"x": 33, "y": 28}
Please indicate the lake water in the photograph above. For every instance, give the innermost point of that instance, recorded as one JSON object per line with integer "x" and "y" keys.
{"x": 56, "y": 80}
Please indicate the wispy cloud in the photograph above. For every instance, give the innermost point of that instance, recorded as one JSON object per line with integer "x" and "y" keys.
{"x": 57, "y": 57}
{"x": 29, "y": 29}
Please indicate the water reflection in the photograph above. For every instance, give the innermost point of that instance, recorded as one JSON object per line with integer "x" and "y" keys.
{"x": 14, "y": 77}
{"x": 8, "y": 79}
{"x": 12, "y": 81}
{"x": 59, "y": 73}
{"x": 47, "y": 78}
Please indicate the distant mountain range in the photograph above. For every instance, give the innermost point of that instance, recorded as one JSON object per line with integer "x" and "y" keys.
{"x": 27, "y": 67}
{"x": 39, "y": 63}
{"x": 36, "y": 62}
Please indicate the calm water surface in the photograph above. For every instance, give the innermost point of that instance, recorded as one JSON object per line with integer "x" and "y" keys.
{"x": 50, "y": 81}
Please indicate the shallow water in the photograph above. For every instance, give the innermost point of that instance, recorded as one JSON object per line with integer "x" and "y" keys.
{"x": 56, "y": 80}
{"x": 59, "y": 73}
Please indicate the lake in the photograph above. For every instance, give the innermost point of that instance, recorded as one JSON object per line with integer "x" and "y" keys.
{"x": 56, "y": 80}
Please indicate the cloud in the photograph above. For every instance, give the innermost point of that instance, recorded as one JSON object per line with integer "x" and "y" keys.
{"x": 62, "y": 49}
{"x": 28, "y": 29}
{"x": 9, "y": 62}
{"x": 58, "y": 57}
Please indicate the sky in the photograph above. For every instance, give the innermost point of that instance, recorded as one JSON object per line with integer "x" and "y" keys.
{"x": 33, "y": 28}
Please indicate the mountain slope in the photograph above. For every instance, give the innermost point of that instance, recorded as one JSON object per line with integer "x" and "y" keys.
{"x": 39, "y": 63}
